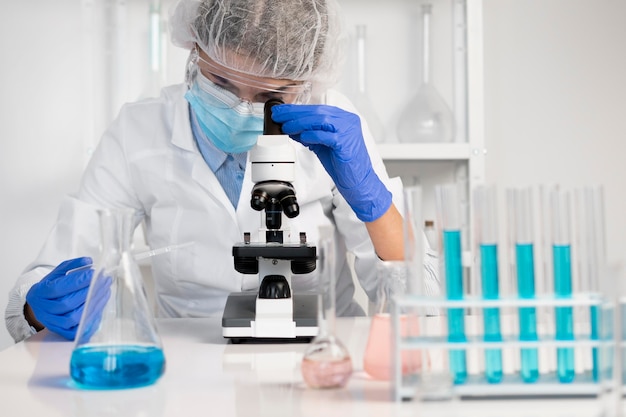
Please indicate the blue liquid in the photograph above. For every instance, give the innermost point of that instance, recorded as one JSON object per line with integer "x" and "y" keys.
{"x": 564, "y": 315}
{"x": 491, "y": 316}
{"x": 527, "y": 315}
{"x": 116, "y": 366}
{"x": 593, "y": 318}
{"x": 454, "y": 291}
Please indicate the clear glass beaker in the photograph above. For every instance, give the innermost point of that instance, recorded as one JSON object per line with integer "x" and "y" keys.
{"x": 377, "y": 361}
{"x": 326, "y": 362}
{"x": 427, "y": 117}
{"x": 117, "y": 344}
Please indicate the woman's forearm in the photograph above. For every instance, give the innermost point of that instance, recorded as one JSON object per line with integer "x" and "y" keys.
{"x": 386, "y": 233}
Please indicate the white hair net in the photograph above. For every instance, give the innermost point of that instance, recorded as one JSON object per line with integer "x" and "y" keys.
{"x": 295, "y": 40}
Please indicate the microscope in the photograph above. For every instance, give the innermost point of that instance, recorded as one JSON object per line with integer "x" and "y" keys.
{"x": 274, "y": 311}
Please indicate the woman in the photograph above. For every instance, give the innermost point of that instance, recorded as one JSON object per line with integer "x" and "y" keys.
{"x": 181, "y": 161}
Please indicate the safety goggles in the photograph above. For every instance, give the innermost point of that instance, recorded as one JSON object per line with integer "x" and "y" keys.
{"x": 234, "y": 89}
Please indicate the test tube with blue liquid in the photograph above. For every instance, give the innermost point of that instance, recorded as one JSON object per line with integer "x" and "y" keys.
{"x": 520, "y": 204}
{"x": 590, "y": 220}
{"x": 487, "y": 239}
{"x": 450, "y": 221}
{"x": 560, "y": 214}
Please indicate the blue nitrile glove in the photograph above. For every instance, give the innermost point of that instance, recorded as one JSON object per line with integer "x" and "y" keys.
{"x": 336, "y": 138}
{"x": 58, "y": 299}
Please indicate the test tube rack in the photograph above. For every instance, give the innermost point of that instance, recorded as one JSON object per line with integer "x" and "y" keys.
{"x": 619, "y": 360}
{"x": 406, "y": 387}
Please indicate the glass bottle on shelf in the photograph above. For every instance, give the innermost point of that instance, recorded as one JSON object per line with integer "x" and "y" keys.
{"x": 426, "y": 118}
{"x": 326, "y": 362}
{"x": 117, "y": 344}
{"x": 360, "y": 97}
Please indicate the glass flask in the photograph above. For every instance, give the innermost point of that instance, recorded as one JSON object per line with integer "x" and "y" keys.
{"x": 377, "y": 361}
{"x": 426, "y": 118}
{"x": 326, "y": 362}
{"x": 117, "y": 344}
{"x": 360, "y": 97}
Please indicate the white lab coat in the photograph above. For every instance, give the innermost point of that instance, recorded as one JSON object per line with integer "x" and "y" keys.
{"x": 148, "y": 160}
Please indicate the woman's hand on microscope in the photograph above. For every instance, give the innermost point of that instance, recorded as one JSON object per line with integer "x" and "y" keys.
{"x": 336, "y": 137}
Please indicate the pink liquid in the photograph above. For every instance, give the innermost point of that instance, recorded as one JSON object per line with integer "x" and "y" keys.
{"x": 377, "y": 360}
{"x": 326, "y": 374}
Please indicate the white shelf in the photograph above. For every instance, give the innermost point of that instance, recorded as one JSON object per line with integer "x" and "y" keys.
{"x": 424, "y": 151}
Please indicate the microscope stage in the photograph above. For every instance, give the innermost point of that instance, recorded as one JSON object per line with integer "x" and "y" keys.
{"x": 239, "y": 313}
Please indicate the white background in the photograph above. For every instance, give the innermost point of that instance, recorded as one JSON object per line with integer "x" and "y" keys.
{"x": 554, "y": 97}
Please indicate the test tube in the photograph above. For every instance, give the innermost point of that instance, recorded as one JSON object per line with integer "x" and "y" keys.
{"x": 487, "y": 239}
{"x": 590, "y": 221}
{"x": 520, "y": 205}
{"x": 560, "y": 209}
{"x": 413, "y": 239}
{"x": 449, "y": 211}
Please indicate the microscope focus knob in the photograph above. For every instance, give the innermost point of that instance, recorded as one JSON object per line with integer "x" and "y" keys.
{"x": 274, "y": 287}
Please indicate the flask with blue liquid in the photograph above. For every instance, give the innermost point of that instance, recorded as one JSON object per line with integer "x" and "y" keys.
{"x": 117, "y": 344}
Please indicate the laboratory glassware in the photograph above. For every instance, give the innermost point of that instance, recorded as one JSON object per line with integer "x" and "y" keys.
{"x": 391, "y": 277}
{"x": 447, "y": 198}
{"x": 487, "y": 242}
{"x": 413, "y": 239}
{"x": 361, "y": 97}
{"x": 434, "y": 382}
{"x": 117, "y": 344}
{"x": 396, "y": 279}
{"x": 589, "y": 209}
{"x": 560, "y": 220}
{"x": 427, "y": 117}
{"x": 326, "y": 362}
{"x": 520, "y": 204}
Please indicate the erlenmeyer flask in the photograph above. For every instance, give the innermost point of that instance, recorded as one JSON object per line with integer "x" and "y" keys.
{"x": 427, "y": 117}
{"x": 360, "y": 97}
{"x": 326, "y": 362}
{"x": 117, "y": 345}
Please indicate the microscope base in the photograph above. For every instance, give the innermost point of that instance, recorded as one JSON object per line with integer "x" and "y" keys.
{"x": 239, "y": 315}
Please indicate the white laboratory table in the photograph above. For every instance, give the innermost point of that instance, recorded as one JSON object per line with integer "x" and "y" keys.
{"x": 206, "y": 376}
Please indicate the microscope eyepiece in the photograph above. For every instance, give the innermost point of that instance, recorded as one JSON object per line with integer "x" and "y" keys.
{"x": 270, "y": 127}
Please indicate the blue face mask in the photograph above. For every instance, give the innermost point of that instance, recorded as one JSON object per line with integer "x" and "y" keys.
{"x": 232, "y": 130}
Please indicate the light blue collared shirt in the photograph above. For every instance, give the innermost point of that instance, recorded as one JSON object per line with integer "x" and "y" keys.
{"x": 228, "y": 168}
